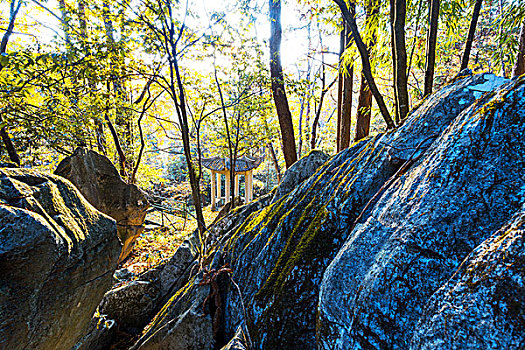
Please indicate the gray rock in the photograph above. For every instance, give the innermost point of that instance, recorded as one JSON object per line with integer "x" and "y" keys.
{"x": 300, "y": 171}
{"x": 482, "y": 305}
{"x": 468, "y": 184}
{"x": 183, "y": 323}
{"x": 100, "y": 335}
{"x": 123, "y": 274}
{"x": 57, "y": 257}
{"x": 100, "y": 183}
{"x": 131, "y": 305}
{"x": 175, "y": 272}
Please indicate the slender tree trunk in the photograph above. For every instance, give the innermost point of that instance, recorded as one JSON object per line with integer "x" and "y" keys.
{"x": 99, "y": 125}
{"x": 278, "y": 90}
{"x": 364, "y": 106}
{"x": 365, "y": 61}
{"x": 301, "y": 112}
{"x": 178, "y": 95}
{"x": 11, "y": 150}
{"x": 275, "y": 162}
{"x": 233, "y": 163}
{"x": 309, "y": 94}
{"x": 340, "y": 79}
{"x": 400, "y": 67}
{"x": 145, "y": 106}
{"x": 118, "y": 146}
{"x": 393, "y": 49}
{"x": 4, "y": 134}
{"x": 348, "y": 84}
{"x": 81, "y": 6}
{"x": 519, "y": 67}
{"x": 324, "y": 90}
{"x": 185, "y": 133}
{"x": 231, "y": 151}
{"x": 14, "y": 7}
{"x": 470, "y": 36}
{"x": 65, "y": 23}
{"x": 123, "y": 117}
{"x": 364, "y": 111}
{"x": 306, "y": 96}
{"x": 433, "y": 17}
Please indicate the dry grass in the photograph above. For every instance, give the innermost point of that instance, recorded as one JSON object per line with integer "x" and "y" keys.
{"x": 158, "y": 244}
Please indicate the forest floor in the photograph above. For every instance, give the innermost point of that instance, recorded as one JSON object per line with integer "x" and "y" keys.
{"x": 158, "y": 244}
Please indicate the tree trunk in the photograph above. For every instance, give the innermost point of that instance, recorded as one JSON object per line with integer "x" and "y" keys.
{"x": 14, "y": 8}
{"x": 433, "y": 17}
{"x": 275, "y": 162}
{"x": 185, "y": 133}
{"x": 123, "y": 116}
{"x": 393, "y": 53}
{"x": 99, "y": 125}
{"x": 400, "y": 66}
{"x": 306, "y": 96}
{"x": 519, "y": 67}
{"x": 65, "y": 23}
{"x": 364, "y": 111}
{"x": 301, "y": 113}
{"x": 232, "y": 153}
{"x": 118, "y": 147}
{"x": 11, "y": 150}
{"x": 470, "y": 36}
{"x": 364, "y": 106}
{"x": 348, "y": 84}
{"x": 340, "y": 79}
{"x": 278, "y": 90}
{"x": 365, "y": 61}
{"x": 324, "y": 90}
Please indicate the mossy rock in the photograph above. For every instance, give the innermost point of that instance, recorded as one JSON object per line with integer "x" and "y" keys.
{"x": 57, "y": 257}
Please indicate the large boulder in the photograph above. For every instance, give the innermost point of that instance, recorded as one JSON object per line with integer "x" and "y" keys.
{"x": 100, "y": 183}
{"x": 279, "y": 249}
{"x": 57, "y": 257}
{"x": 431, "y": 216}
{"x": 482, "y": 305}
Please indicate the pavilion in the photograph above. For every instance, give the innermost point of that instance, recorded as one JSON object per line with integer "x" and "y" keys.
{"x": 221, "y": 166}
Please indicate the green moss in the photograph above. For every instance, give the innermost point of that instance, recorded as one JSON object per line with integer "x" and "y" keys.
{"x": 160, "y": 317}
{"x": 273, "y": 284}
{"x": 253, "y": 225}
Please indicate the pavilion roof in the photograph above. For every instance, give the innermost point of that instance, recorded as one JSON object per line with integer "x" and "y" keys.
{"x": 242, "y": 164}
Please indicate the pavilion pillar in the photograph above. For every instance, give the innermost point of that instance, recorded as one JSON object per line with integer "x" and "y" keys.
{"x": 213, "y": 188}
{"x": 248, "y": 186}
{"x": 236, "y": 187}
{"x": 227, "y": 187}
{"x": 219, "y": 189}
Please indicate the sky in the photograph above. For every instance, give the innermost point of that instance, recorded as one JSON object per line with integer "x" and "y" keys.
{"x": 44, "y": 27}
